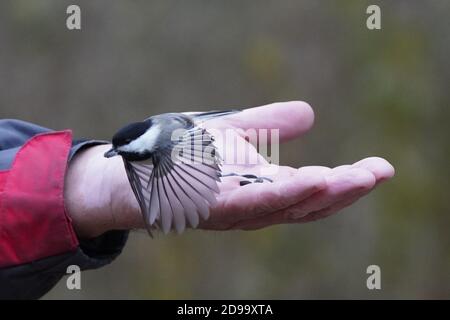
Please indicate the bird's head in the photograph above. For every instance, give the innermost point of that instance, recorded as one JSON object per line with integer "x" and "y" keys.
{"x": 135, "y": 141}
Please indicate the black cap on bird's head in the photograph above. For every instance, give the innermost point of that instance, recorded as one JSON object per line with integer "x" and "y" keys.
{"x": 125, "y": 136}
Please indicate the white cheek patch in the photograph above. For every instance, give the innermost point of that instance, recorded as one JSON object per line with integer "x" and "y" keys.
{"x": 144, "y": 143}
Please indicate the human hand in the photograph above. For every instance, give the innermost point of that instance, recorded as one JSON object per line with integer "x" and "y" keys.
{"x": 99, "y": 198}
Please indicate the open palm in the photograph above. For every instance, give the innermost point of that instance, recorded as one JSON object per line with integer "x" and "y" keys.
{"x": 296, "y": 195}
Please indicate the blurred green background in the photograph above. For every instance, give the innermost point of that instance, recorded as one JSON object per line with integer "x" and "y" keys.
{"x": 382, "y": 93}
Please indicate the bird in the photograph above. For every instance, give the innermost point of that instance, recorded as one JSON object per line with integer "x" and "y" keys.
{"x": 173, "y": 167}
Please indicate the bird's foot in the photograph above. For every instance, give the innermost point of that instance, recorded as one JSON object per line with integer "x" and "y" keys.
{"x": 249, "y": 178}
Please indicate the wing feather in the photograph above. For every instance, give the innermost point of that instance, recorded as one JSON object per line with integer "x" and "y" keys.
{"x": 174, "y": 192}
{"x": 139, "y": 191}
{"x": 166, "y": 214}
{"x": 179, "y": 219}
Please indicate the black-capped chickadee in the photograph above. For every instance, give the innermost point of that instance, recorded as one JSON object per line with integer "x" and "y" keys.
{"x": 170, "y": 178}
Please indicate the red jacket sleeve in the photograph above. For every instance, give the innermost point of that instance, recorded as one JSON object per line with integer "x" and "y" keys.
{"x": 34, "y": 221}
{"x": 37, "y": 240}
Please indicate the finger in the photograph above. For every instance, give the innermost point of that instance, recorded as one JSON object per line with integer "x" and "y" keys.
{"x": 335, "y": 208}
{"x": 339, "y": 169}
{"x": 314, "y": 170}
{"x": 281, "y": 218}
{"x": 264, "y": 198}
{"x": 292, "y": 119}
{"x": 380, "y": 168}
{"x": 342, "y": 190}
{"x": 343, "y": 195}
{"x": 340, "y": 186}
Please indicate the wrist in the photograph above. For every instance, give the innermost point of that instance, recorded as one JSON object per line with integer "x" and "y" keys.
{"x": 123, "y": 205}
{"x": 98, "y": 197}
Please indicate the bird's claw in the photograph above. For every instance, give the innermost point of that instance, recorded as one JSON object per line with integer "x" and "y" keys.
{"x": 248, "y": 178}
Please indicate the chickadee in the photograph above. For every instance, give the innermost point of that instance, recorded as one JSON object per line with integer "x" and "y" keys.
{"x": 170, "y": 178}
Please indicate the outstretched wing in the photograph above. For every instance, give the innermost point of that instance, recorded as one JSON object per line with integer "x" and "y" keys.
{"x": 178, "y": 184}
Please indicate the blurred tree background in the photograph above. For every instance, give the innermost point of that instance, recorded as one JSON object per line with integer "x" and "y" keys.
{"x": 380, "y": 93}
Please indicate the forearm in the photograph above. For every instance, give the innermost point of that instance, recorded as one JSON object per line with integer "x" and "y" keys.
{"x": 38, "y": 240}
{"x": 98, "y": 196}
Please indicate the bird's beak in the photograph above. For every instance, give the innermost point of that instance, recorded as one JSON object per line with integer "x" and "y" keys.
{"x": 111, "y": 153}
